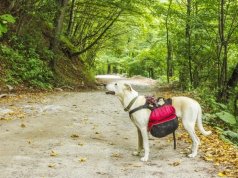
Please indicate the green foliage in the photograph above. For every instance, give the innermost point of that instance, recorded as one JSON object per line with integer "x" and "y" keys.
{"x": 233, "y": 136}
{"x": 217, "y": 114}
{"x": 5, "y": 19}
{"x": 67, "y": 43}
{"x": 226, "y": 117}
{"x": 30, "y": 70}
{"x": 130, "y": 37}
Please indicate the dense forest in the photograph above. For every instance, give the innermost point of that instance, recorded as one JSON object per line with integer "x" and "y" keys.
{"x": 190, "y": 43}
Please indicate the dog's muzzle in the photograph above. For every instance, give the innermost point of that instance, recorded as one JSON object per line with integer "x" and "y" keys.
{"x": 110, "y": 93}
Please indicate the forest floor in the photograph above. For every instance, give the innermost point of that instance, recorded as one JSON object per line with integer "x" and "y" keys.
{"x": 86, "y": 134}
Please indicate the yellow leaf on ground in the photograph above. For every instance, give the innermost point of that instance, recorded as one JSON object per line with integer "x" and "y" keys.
{"x": 53, "y": 153}
{"x": 175, "y": 163}
{"x": 116, "y": 155}
{"x": 23, "y": 125}
{"x": 80, "y": 144}
{"x": 74, "y": 136}
{"x": 208, "y": 158}
{"x": 6, "y": 118}
{"x": 221, "y": 174}
{"x": 83, "y": 160}
{"x": 51, "y": 165}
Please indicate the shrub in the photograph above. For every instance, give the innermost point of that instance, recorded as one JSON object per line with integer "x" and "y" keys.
{"x": 25, "y": 67}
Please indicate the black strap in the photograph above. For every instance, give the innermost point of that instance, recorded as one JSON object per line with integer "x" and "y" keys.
{"x": 174, "y": 140}
{"x": 130, "y": 104}
{"x": 145, "y": 106}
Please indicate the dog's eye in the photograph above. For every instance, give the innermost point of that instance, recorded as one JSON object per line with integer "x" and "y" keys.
{"x": 115, "y": 84}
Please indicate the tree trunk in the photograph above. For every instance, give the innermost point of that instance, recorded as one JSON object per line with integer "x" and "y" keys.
{"x": 58, "y": 26}
{"x": 233, "y": 81}
{"x": 58, "y": 22}
{"x": 231, "y": 85}
{"x": 223, "y": 51}
{"x": 169, "y": 45}
{"x": 188, "y": 39}
{"x": 196, "y": 65}
{"x": 224, "y": 75}
{"x": 151, "y": 73}
{"x": 109, "y": 69}
{"x": 236, "y": 107}
{"x": 71, "y": 17}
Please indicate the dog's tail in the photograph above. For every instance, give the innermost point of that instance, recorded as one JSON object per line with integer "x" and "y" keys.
{"x": 199, "y": 121}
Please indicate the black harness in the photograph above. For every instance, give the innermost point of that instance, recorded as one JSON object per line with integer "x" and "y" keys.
{"x": 151, "y": 104}
{"x": 148, "y": 104}
{"x": 145, "y": 106}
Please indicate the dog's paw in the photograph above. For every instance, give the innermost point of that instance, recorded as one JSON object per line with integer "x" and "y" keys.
{"x": 192, "y": 155}
{"x": 144, "y": 159}
{"x": 136, "y": 153}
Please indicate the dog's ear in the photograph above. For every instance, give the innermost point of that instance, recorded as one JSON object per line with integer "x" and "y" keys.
{"x": 128, "y": 86}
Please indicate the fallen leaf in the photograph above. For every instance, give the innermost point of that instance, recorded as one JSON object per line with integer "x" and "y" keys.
{"x": 51, "y": 165}
{"x": 175, "y": 163}
{"x": 136, "y": 165}
{"x": 21, "y": 115}
{"x": 102, "y": 173}
{"x": 6, "y": 118}
{"x": 221, "y": 174}
{"x": 53, "y": 153}
{"x": 74, "y": 136}
{"x": 23, "y": 125}
{"x": 80, "y": 144}
{"x": 83, "y": 160}
{"x": 208, "y": 158}
{"x": 183, "y": 152}
{"x": 217, "y": 151}
{"x": 116, "y": 155}
{"x": 97, "y": 138}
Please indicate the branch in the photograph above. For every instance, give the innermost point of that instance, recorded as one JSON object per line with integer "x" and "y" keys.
{"x": 98, "y": 38}
{"x": 100, "y": 28}
{"x": 232, "y": 27}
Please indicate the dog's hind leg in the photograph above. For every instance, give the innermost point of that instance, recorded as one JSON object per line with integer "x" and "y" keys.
{"x": 144, "y": 134}
{"x": 140, "y": 143}
{"x": 195, "y": 144}
{"x": 189, "y": 126}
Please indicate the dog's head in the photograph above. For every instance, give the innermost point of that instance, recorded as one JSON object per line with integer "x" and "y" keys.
{"x": 118, "y": 88}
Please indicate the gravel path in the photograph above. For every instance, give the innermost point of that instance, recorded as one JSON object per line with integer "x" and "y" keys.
{"x": 86, "y": 134}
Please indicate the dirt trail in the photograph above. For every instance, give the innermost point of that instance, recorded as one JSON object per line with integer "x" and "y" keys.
{"x": 86, "y": 134}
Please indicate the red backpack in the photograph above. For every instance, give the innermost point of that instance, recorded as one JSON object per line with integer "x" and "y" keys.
{"x": 162, "y": 120}
{"x": 161, "y": 114}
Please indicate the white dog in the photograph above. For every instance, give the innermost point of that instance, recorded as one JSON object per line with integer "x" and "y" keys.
{"x": 186, "y": 108}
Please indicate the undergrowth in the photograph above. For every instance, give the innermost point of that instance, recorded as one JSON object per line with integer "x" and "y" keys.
{"x": 25, "y": 66}
{"x": 222, "y": 116}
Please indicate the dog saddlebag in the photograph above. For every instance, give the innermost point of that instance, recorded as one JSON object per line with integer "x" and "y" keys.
{"x": 163, "y": 121}
{"x": 165, "y": 128}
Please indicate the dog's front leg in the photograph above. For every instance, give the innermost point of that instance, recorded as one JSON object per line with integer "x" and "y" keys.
{"x": 144, "y": 134}
{"x": 140, "y": 143}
